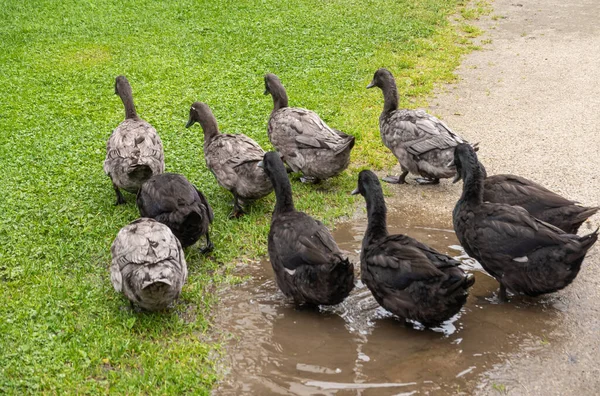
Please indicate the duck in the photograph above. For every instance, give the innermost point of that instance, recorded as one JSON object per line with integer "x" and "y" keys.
{"x": 408, "y": 278}
{"x": 524, "y": 254}
{"x": 423, "y": 144}
{"x": 148, "y": 265}
{"x": 540, "y": 202}
{"x": 309, "y": 266}
{"x": 172, "y": 200}
{"x": 232, "y": 159}
{"x": 307, "y": 144}
{"x": 134, "y": 151}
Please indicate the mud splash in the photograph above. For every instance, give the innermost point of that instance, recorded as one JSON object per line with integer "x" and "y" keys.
{"x": 357, "y": 348}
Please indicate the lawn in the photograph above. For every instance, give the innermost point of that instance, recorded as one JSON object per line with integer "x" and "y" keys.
{"x": 63, "y": 328}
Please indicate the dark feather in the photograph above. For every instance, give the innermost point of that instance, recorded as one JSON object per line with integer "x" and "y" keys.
{"x": 407, "y": 277}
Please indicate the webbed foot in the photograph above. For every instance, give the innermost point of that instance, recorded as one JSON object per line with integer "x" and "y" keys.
{"x": 396, "y": 179}
{"x": 208, "y": 247}
{"x": 425, "y": 181}
{"x": 236, "y": 214}
{"x": 393, "y": 180}
{"x": 310, "y": 179}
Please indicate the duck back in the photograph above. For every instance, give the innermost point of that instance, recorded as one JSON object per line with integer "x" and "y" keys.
{"x": 540, "y": 202}
{"x": 148, "y": 264}
{"x": 172, "y": 200}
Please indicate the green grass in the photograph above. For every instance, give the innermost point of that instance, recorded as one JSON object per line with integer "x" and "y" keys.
{"x": 63, "y": 328}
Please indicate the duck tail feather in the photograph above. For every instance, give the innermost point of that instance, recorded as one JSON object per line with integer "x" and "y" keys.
{"x": 464, "y": 284}
{"x": 588, "y": 240}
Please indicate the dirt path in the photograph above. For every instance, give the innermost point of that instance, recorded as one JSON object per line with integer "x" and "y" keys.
{"x": 531, "y": 99}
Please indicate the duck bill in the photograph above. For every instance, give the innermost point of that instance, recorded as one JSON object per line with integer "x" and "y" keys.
{"x": 190, "y": 123}
{"x": 260, "y": 164}
{"x": 456, "y": 178}
{"x": 355, "y": 191}
{"x": 371, "y": 85}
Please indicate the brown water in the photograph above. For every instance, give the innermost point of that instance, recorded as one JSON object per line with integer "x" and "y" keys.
{"x": 357, "y": 348}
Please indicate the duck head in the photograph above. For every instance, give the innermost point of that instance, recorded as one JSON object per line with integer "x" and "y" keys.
{"x": 199, "y": 111}
{"x": 271, "y": 83}
{"x": 381, "y": 78}
{"x": 367, "y": 182}
{"x": 122, "y": 85}
{"x": 272, "y": 162}
{"x": 274, "y": 87}
{"x": 385, "y": 81}
{"x": 464, "y": 154}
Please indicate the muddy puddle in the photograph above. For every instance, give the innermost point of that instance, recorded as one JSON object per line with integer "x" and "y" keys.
{"x": 357, "y": 348}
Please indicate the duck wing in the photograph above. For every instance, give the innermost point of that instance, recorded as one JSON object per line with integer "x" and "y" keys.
{"x": 418, "y": 132}
{"x": 166, "y": 193}
{"x": 512, "y": 231}
{"x": 306, "y": 130}
{"x": 516, "y": 190}
{"x": 300, "y": 240}
{"x": 397, "y": 261}
{"x": 232, "y": 151}
{"x": 204, "y": 202}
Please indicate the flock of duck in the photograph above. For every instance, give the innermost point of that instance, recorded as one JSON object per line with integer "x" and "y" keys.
{"x": 521, "y": 233}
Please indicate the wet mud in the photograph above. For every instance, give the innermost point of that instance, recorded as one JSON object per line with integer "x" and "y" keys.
{"x": 358, "y": 348}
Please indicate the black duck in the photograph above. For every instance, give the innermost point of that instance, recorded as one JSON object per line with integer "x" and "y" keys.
{"x": 540, "y": 202}
{"x": 423, "y": 144}
{"x": 134, "y": 151}
{"x": 306, "y": 143}
{"x": 232, "y": 159}
{"x": 407, "y": 277}
{"x": 171, "y": 199}
{"x": 523, "y": 253}
{"x": 148, "y": 264}
{"x": 308, "y": 265}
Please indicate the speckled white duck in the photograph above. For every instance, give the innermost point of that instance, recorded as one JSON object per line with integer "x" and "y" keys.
{"x": 134, "y": 151}
{"x": 423, "y": 144}
{"x": 232, "y": 159}
{"x": 307, "y": 144}
{"x": 148, "y": 264}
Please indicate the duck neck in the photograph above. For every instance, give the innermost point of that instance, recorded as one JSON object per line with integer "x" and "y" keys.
{"x": 376, "y": 215}
{"x": 280, "y": 99}
{"x": 473, "y": 185}
{"x": 210, "y": 127}
{"x": 127, "y": 98}
{"x": 390, "y": 95}
{"x": 283, "y": 191}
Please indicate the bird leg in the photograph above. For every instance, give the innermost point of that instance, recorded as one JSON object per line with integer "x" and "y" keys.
{"x": 120, "y": 197}
{"x": 209, "y": 246}
{"x": 238, "y": 211}
{"x": 396, "y": 179}
{"x": 502, "y": 294}
{"x": 426, "y": 180}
